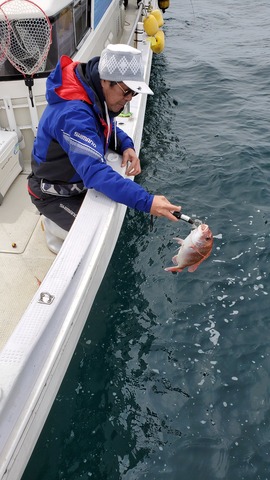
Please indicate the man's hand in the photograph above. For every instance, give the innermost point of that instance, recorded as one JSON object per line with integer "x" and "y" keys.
{"x": 161, "y": 207}
{"x": 131, "y": 162}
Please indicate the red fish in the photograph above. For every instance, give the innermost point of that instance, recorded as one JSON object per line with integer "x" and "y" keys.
{"x": 195, "y": 248}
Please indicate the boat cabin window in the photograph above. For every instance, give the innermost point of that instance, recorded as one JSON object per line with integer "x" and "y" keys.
{"x": 80, "y": 10}
{"x": 69, "y": 26}
{"x": 63, "y": 38}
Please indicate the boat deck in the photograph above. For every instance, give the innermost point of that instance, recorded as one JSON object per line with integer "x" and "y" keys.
{"x": 24, "y": 255}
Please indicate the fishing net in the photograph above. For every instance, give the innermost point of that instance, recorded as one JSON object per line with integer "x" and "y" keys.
{"x": 29, "y": 35}
{"x": 4, "y": 36}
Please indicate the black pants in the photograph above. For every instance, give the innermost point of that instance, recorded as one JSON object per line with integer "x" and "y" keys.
{"x": 61, "y": 210}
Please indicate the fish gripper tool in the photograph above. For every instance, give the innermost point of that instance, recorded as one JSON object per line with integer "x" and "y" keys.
{"x": 182, "y": 216}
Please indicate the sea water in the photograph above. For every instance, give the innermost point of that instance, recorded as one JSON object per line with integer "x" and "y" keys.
{"x": 171, "y": 376}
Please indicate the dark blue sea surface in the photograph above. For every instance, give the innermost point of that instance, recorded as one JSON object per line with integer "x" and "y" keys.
{"x": 171, "y": 376}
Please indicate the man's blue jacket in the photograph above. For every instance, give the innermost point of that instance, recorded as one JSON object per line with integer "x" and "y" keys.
{"x": 73, "y": 136}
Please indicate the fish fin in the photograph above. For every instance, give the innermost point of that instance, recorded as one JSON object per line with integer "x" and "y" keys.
{"x": 180, "y": 241}
{"x": 173, "y": 269}
{"x": 174, "y": 260}
{"x": 194, "y": 267}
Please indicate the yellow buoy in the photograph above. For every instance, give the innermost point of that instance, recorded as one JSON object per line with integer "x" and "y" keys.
{"x": 150, "y": 25}
{"x": 159, "y": 18}
{"x": 163, "y": 4}
{"x": 158, "y": 42}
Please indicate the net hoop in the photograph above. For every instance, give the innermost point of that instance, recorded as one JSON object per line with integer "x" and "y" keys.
{"x": 30, "y": 35}
{"x": 4, "y": 36}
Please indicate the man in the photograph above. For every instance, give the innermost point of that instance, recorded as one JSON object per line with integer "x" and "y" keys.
{"x": 76, "y": 130}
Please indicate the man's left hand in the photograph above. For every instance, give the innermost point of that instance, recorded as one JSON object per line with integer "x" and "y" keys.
{"x": 131, "y": 162}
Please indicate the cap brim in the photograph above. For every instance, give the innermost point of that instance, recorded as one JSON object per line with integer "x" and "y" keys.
{"x": 138, "y": 87}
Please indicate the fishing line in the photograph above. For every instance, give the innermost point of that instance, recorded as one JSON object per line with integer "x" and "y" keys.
{"x": 192, "y": 9}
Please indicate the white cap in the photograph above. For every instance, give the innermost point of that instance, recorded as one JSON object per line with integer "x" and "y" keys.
{"x": 122, "y": 63}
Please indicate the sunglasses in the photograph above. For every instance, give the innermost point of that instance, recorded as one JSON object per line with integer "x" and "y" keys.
{"x": 127, "y": 92}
